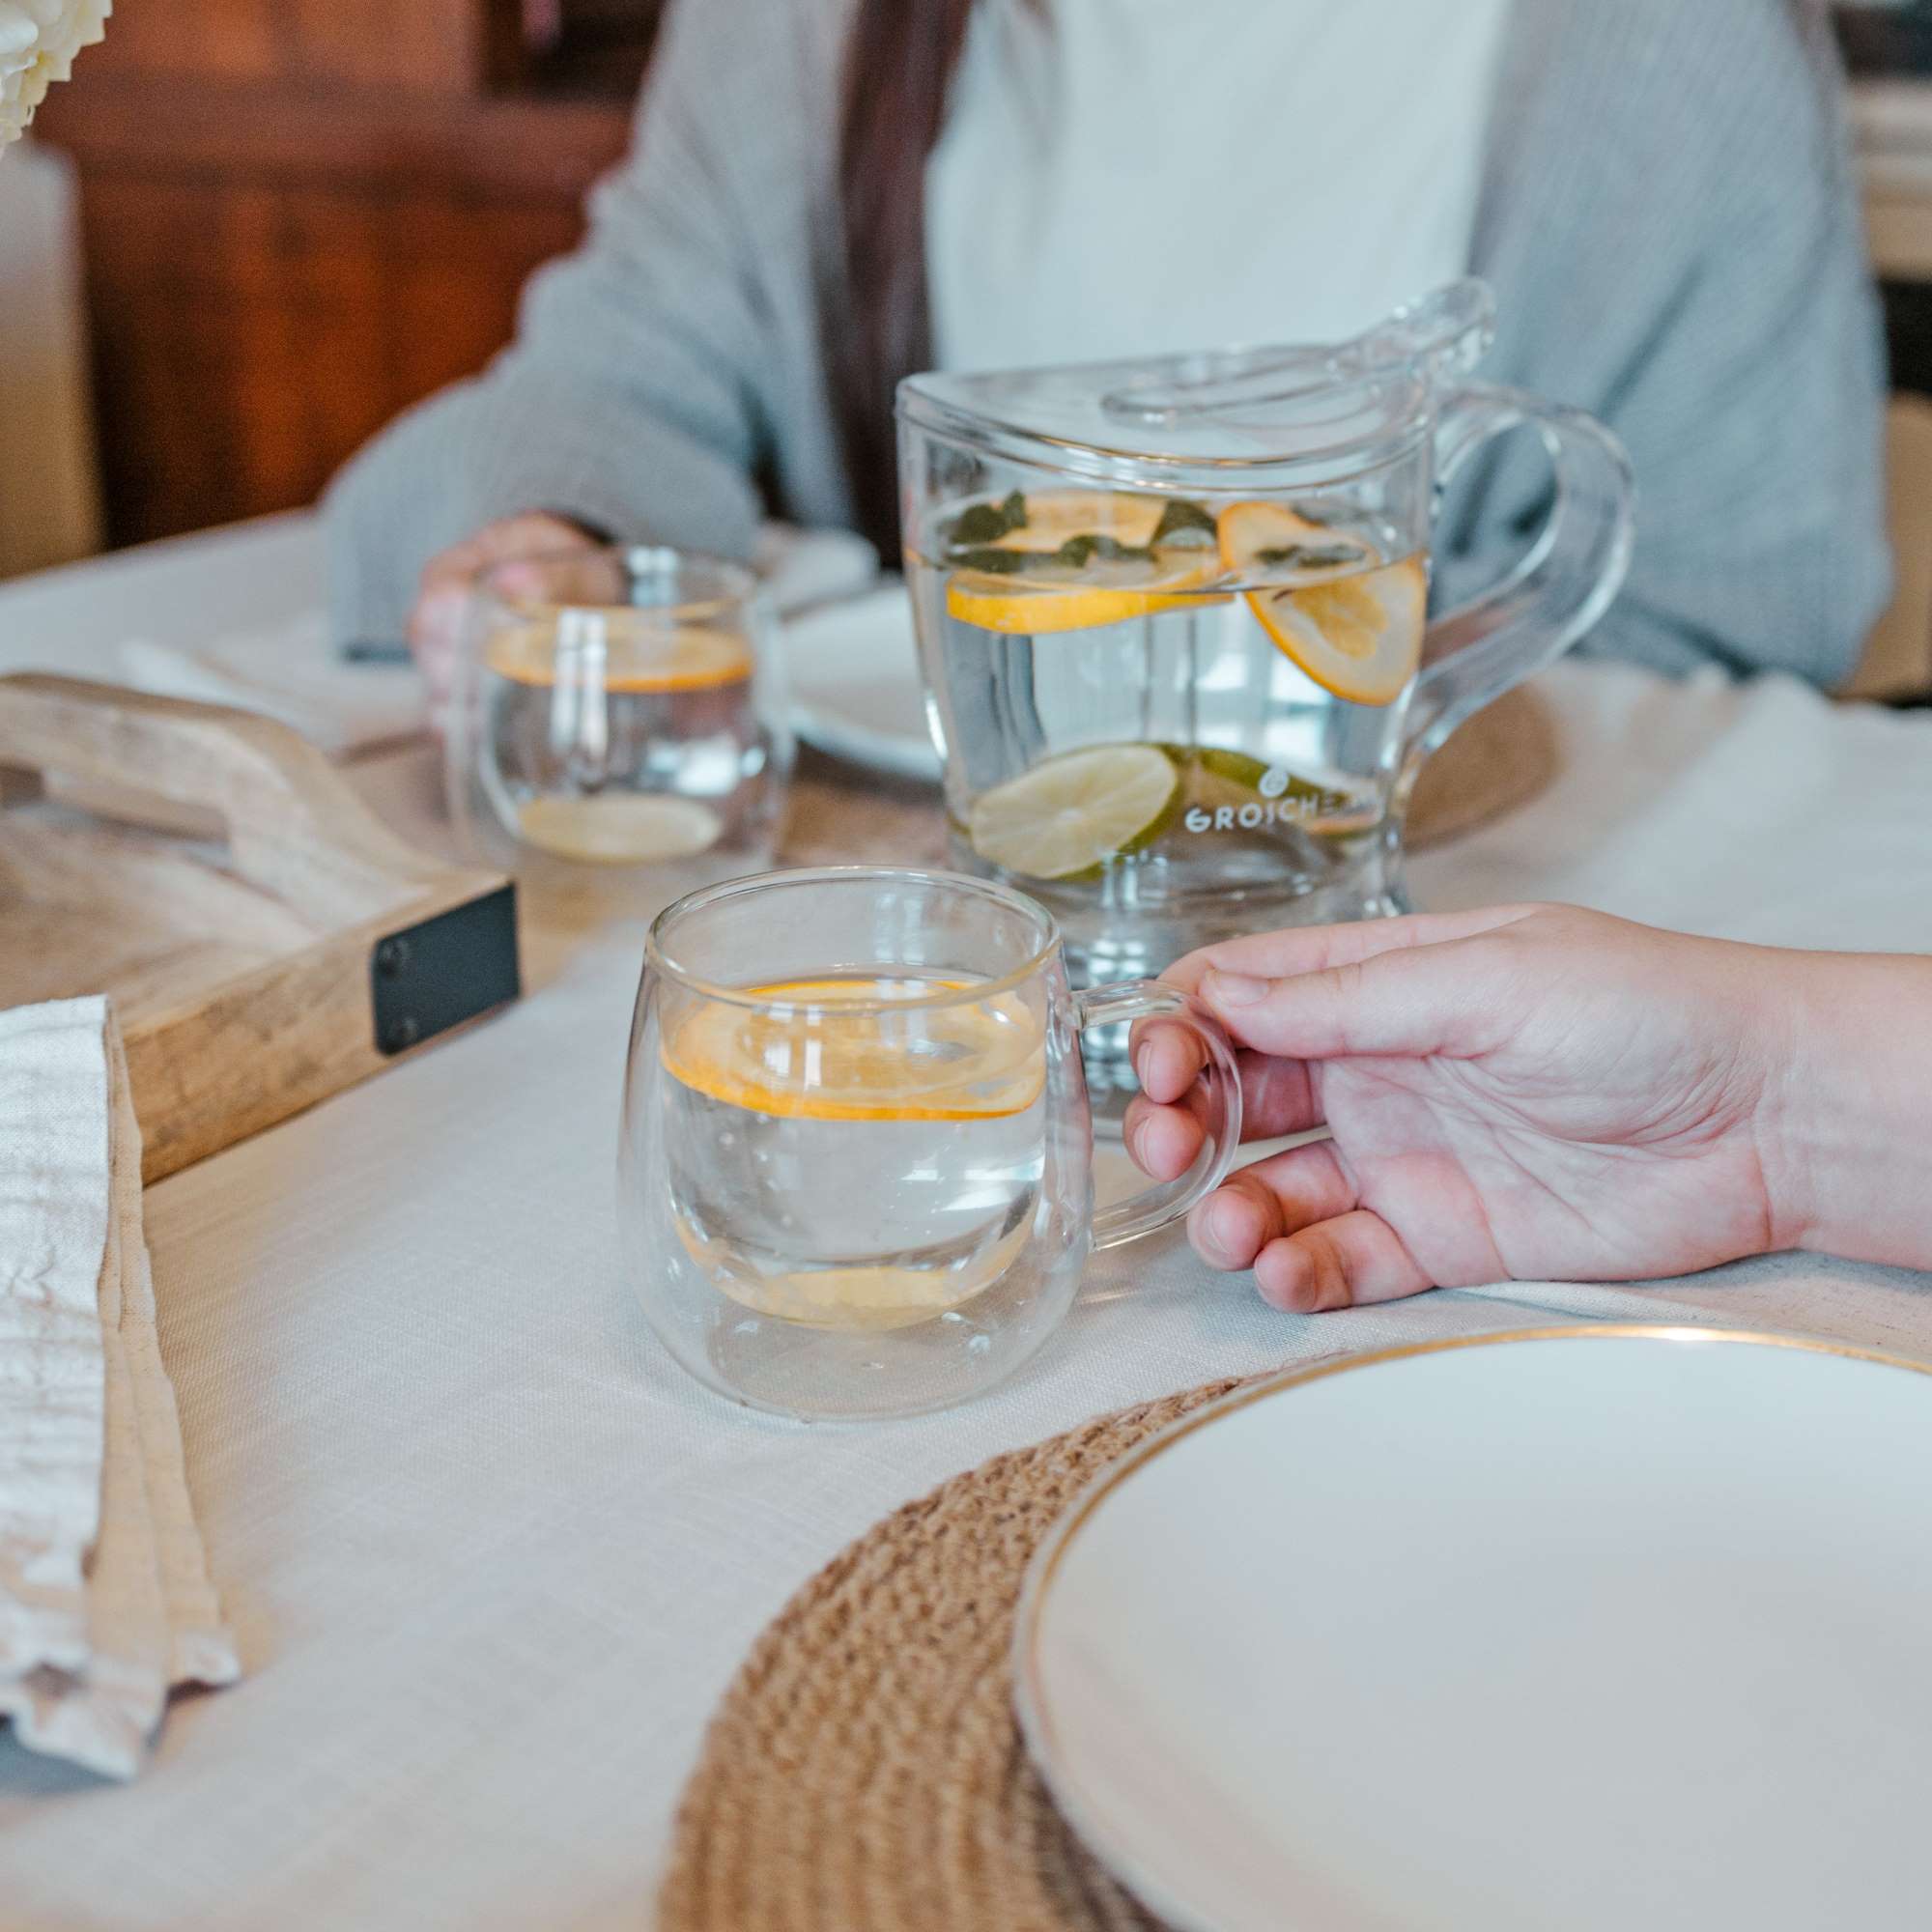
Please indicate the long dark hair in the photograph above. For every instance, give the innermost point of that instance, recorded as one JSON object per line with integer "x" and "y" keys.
{"x": 900, "y": 62}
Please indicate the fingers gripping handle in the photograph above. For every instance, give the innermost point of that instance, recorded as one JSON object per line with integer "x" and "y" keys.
{"x": 1220, "y": 1104}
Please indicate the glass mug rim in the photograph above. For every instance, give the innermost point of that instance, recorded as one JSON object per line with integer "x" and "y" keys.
{"x": 732, "y": 586}
{"x": 661, "y": 963}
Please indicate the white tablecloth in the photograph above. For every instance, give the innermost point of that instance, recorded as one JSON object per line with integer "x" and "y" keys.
{"x": 492, "y": 1558}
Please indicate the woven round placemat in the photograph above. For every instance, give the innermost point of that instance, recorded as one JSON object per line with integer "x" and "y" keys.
{"x": 1495, "y": 761}
{"x": 864, "y": 1771}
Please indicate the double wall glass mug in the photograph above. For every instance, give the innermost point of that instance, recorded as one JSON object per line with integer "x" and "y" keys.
{"x": 855, "y": 1169}
{"x": 1172, "y": 622}
{"x": 613, "y": 715}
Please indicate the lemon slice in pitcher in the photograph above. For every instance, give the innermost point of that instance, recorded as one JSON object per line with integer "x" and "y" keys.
{"x": 1269, "y": 540}
{"x": 1357, "y": 631}
{"x": 1043, "y": 520}
{"x": 1076, "y": 560}
{"x": 1068, "y": 816}
{"x": 803, "y": 1058}
{"x": 1359, "y": 636}
{"x": 630, "y": 651}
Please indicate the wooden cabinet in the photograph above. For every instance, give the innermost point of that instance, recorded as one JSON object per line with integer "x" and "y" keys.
{"x": 1891, "y": 120}
{"x": 299, "y": 216}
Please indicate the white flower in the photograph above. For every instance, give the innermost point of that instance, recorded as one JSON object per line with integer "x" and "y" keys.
{"x": 39, "y": 40}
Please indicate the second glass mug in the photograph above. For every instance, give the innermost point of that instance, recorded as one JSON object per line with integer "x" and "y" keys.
{"x": 856, "y": 1180}
{"x": 614, "y": 719}
{"x": 1172, "y": 617}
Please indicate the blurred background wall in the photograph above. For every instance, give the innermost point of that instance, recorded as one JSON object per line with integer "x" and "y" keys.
{"x": 49, "y": 483}
{"x": 1888, "y": 51}
{"x": 296, "y": 217}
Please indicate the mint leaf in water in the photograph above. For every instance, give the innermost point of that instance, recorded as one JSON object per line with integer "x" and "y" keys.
{"x": 991, "y": 559}
{"x": 1077, "y": 553}
{"x": 988, "y": 523}
{"x": 1181, "y": 516}
{"x": 1309, "y": 556}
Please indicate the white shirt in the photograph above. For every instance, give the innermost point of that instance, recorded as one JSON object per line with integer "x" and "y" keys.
{"x": 1126, "y": 176}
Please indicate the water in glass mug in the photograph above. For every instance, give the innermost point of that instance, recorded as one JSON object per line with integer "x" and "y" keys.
{"x": 871, "y": 1171}
{"x": 1148, "y": 707}
{"x": 856, "y": 1180}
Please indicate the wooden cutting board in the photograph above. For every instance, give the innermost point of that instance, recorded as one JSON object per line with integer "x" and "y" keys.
{"x": 266, "y": 941}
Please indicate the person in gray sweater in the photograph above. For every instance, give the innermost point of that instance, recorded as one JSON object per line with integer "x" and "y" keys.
{"x": 1666, "y": 210}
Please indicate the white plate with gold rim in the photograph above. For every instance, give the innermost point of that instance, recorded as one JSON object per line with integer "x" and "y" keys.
{"x": 1587, "y": 1627}
{"x": 852, "y": 668}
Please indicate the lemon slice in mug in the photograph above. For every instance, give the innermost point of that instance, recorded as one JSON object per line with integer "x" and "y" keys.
{"x": 1357, "y": 632}
{"x": 871, "y": 1295}
{"x": 1068, "y": 816}
{"x": 803, "y": 1058}
{"x": 618, "y": 828}
{"x": 1076, "y": 560}
{"x": 623, "y": 650}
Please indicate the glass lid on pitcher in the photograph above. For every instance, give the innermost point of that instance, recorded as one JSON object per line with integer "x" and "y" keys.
{"x": 1213, "y": 419}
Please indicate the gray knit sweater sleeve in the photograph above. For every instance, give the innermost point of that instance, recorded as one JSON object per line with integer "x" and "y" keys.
{"x": 1668, "y": 219}
{"x": 653, "y": 373}
{"x": 1673, "y": 228}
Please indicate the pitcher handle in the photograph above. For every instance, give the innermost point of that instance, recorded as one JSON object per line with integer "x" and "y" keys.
{"x": 1153, "y": 1208}
{"x": 1554, "y": 593}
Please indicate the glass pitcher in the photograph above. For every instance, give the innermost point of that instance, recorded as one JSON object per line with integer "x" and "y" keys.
{"x": 1172, "y": 620}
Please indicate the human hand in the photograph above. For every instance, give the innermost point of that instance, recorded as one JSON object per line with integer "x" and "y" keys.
{"x": 435, "y": 624}
{"x": 1541, "y": 1092}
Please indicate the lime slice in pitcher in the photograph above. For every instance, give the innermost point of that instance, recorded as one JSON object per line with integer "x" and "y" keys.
{"x": 1070, "y": 814}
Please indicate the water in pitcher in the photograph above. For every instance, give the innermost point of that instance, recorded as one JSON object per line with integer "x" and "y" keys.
{"x": 1168, "y": 721}
{"x": 852, "y": 1153}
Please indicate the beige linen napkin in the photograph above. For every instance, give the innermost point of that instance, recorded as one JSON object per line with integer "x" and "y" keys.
{"x": 105, "y": 1598}
{"x": 292, "y": 673}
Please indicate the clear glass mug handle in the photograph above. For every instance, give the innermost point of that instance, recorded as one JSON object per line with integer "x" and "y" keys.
{"x": 1154, "y": 1207}
{"x": 1560, "y": 586}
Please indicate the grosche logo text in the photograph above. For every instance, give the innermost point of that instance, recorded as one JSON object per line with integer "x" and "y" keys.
{"x": 1306, "y": 803}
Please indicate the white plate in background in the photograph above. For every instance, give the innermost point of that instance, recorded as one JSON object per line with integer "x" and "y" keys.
{"x": 853, "y": 672}
{"x": 1594, "y": 1628}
